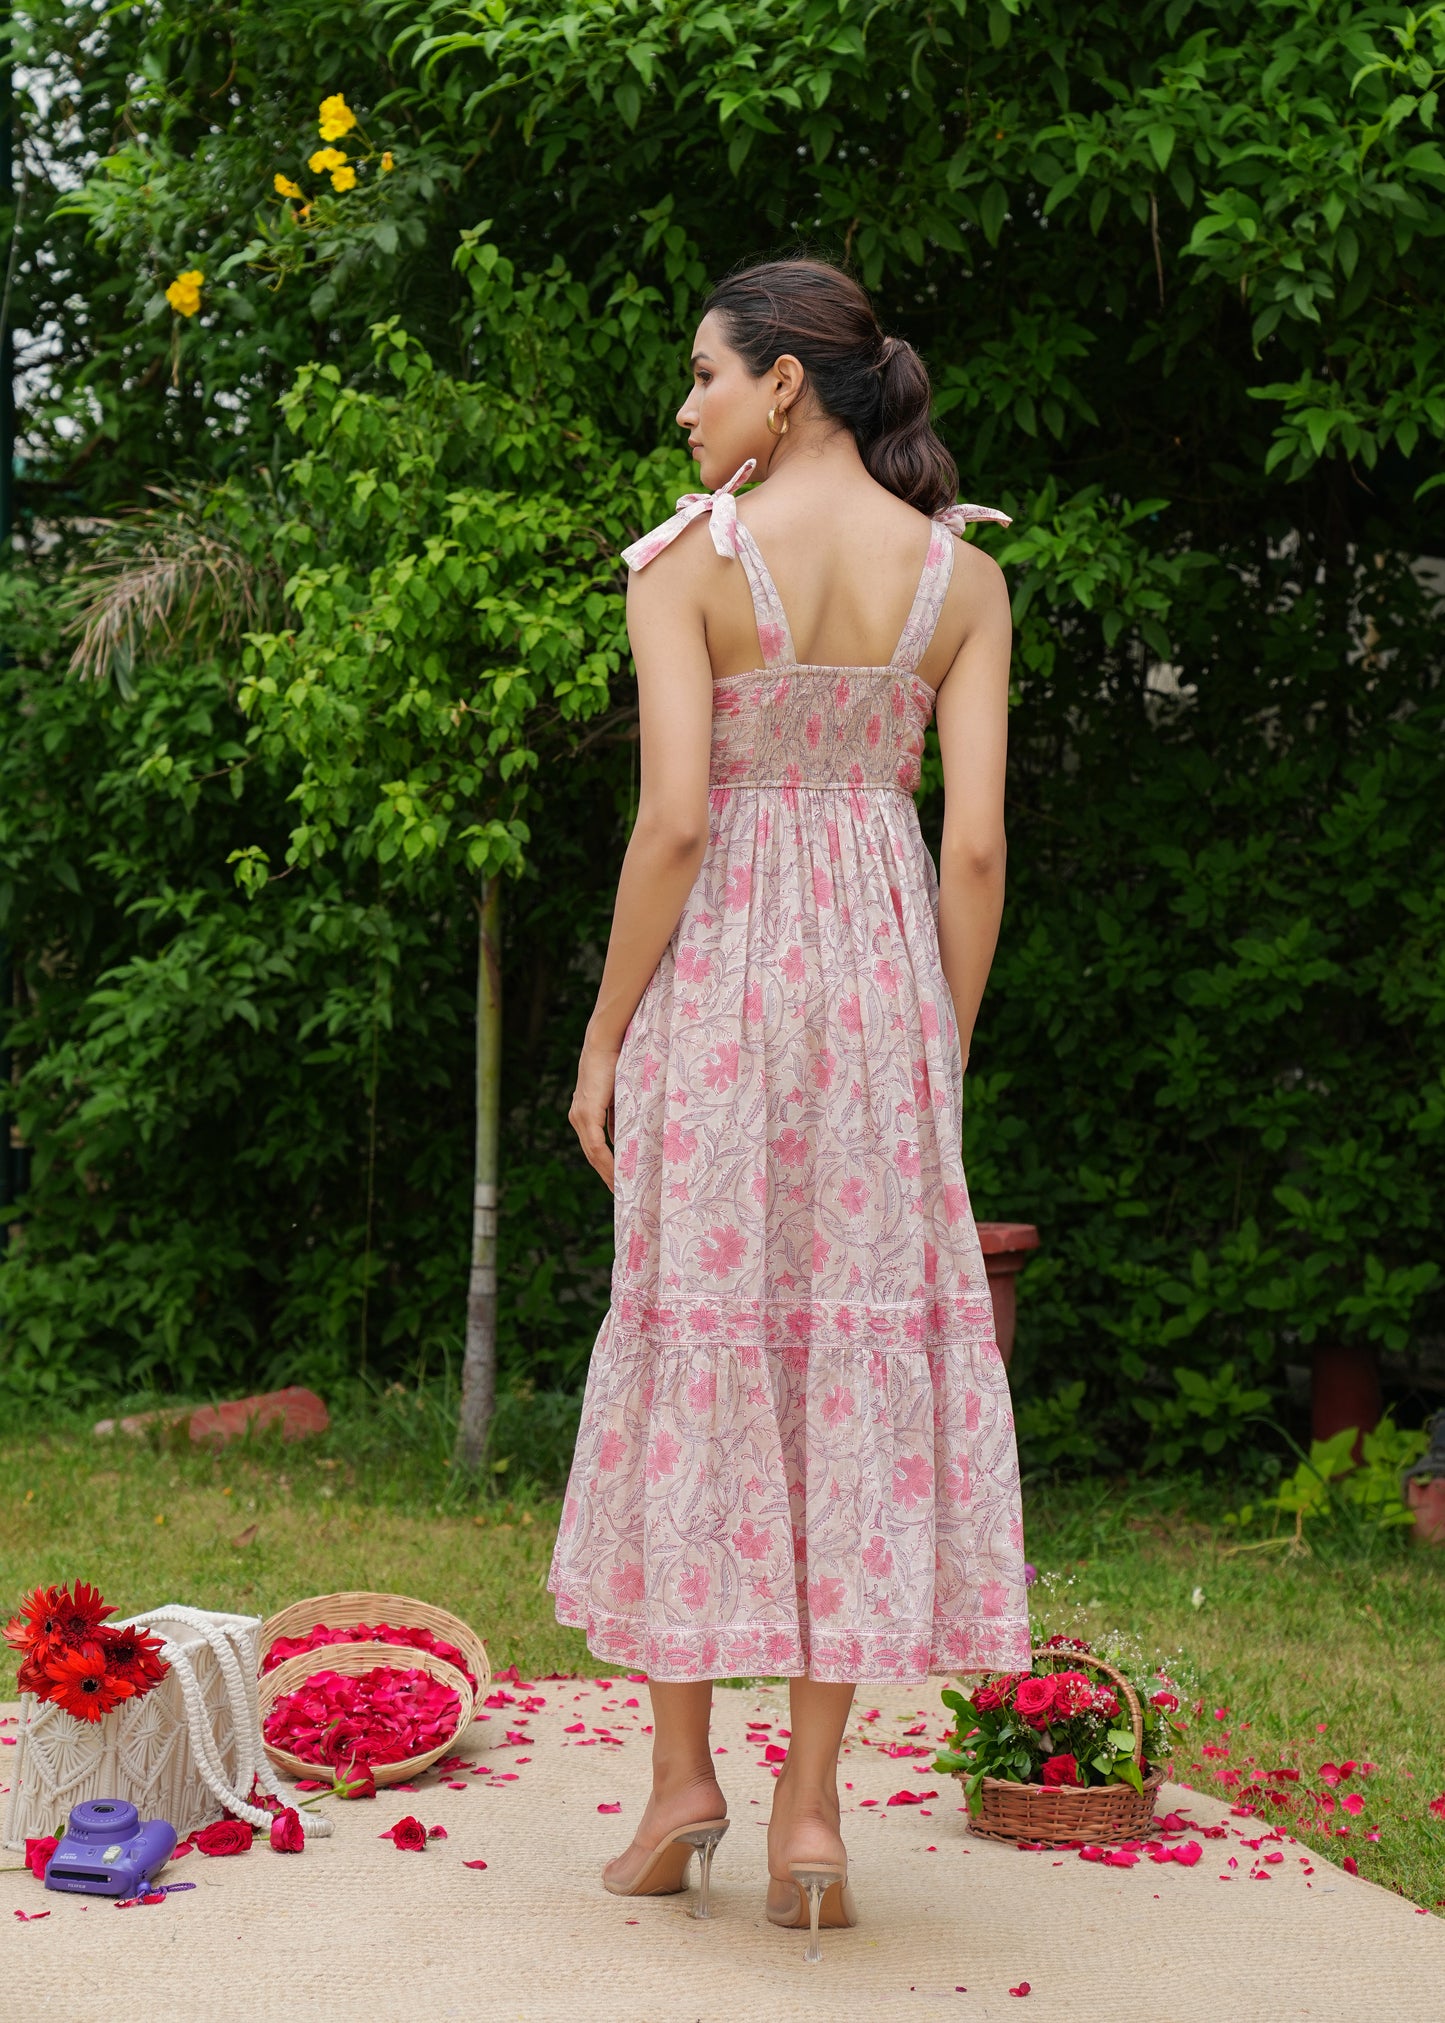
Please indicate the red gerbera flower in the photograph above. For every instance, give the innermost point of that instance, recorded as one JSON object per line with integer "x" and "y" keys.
{"x": 30, "y": 1677}
{"x": 78, "y": 1681}
{"x": 81, "y": 1612}
{"x": 133, "y": 1655}
{"x": 37, "y": 1622}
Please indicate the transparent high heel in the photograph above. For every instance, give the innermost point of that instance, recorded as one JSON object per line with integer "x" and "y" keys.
{"x": 704, "y": 1839}
{"x": 823, "y": 1902}
{"x": 665, "y": 1870}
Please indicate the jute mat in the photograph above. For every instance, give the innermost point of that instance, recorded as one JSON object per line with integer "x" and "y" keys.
{"x": 949, "y": 1923}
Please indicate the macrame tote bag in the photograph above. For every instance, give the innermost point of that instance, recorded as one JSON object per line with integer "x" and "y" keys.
{"x": 187, "y": 1751}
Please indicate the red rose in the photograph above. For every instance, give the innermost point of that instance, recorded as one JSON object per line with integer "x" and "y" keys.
{"x": 286, "y": 1834}
{"x": 38, "y": 1853}
{"x": 1168, "y": 1701}
{"x": 1034, "y": 1701}
{"x": 1057, "y": 1770}
{"x": 355, "y": 1782}
{"x": 987, "y": 1700}
{"x": 227, "y": 1836}
{"x": 408, "y": 1834}
{"x": 1073, "y": 1693}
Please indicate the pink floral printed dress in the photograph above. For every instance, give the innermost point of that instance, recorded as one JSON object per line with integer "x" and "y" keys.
{"x": 796, "y": 1453}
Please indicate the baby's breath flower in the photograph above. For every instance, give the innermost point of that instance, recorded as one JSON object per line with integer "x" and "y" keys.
{"x": 324, "y": 159}
{"x": 284, "y": 187}
{"x": 343, "y": 179}
{"x": 184, "y": 293}
{"x": 336, "y": 118}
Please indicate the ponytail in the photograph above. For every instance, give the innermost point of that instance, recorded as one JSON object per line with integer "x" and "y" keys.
{"x": 905, "y": 455}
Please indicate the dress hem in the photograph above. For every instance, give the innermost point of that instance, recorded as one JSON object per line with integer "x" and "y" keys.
{"x": 904, "y": 1655}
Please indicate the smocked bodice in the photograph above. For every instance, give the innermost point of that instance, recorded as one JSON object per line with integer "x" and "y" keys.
{"x": 834, "y": 727}
{"x": 787, "y": 724}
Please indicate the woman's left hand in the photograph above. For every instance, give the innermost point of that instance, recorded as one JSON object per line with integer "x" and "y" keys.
{"x": 591, "y": 1113}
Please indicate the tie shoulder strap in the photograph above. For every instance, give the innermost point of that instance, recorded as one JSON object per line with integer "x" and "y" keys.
{"x": 956, "y": 518}
{"x": 922, "y": 619}
{"x": 720, "y": 504}
{"x": 733, "y": 542}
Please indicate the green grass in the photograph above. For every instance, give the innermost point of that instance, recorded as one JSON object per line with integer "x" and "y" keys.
{"x": 1334, "y": 1656}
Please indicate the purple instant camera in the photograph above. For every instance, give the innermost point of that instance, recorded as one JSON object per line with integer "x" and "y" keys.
{"x": 105, "y": 1851}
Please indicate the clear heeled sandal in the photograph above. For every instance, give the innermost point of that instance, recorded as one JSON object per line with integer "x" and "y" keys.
{"x": 824, "y": 1902}
{"x": 665, "y": 1870}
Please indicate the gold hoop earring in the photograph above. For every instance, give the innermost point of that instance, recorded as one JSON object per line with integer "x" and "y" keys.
{"x": 772, "y": 431}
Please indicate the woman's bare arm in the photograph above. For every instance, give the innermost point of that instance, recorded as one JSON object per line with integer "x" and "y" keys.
{"x": 973, "y": 739}
{"x": 669, "y": 838}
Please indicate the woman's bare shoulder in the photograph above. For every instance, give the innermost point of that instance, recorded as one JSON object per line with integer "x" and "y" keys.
{"x": 977, "y": 571}
{"x": 683, "y": 568}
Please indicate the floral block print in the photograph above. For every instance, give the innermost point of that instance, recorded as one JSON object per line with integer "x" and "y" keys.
{"x": 796, "y": 1453}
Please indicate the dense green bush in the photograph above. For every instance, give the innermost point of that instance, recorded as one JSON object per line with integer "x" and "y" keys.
{"x": 1177, "y": 269}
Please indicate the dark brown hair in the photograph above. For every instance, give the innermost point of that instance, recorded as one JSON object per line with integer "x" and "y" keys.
{"x": 876, "y": 386}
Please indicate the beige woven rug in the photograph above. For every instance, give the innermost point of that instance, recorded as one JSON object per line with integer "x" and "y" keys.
{"x": 352, "y": 1929}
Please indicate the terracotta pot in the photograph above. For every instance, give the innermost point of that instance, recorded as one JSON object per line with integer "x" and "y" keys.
{"x": 1344, "y": 1391}
{"x": 1006, "y": 1246}
{"x": 1425, "y": 1495}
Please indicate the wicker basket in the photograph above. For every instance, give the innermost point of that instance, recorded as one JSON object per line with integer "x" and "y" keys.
{"x": 344, "y": 1611}
{"x": 1051, "y": 1815}
{"x": 352, "y": 1660}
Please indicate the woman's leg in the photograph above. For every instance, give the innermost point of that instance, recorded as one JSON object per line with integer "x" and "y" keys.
{"x": 805, "y": 1816}
{"x": 684, "y": 1784}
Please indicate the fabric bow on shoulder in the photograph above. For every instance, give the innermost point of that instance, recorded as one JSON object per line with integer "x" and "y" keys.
{"x": 720, "y": 504}
{"x": 956, "y": 518}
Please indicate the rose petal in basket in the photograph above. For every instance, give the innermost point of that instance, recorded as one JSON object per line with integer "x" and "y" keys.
{"x": 352, "y": 1660}
{"x": 353, "y": 1607}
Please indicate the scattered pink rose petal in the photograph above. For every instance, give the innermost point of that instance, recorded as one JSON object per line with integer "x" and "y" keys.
{"x": 1350, "y": 1865}
{"x": 1022, "y": 1989}
{"x": 611, "y": 1808}
{"x": 910, "y": 1797}
{"x": 436, "y": 1833}
{"x": 474, "y": 1864}
{"x": 29, "y": 1917}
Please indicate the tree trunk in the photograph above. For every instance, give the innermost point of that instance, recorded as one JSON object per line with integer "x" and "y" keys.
{"x": 479, "y": 1362}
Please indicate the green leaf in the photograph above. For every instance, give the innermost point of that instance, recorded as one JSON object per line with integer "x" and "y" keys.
{"x": 1161, "y": 145}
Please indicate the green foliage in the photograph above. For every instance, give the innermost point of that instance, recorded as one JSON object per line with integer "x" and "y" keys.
{"x": 1330, "y": 1487}
{"x": 1176, "y": 270}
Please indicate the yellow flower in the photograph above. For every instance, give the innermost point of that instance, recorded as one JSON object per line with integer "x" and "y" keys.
{"x": 337, "y": 117}
{"x": 324, "y": 159}
{"x": 284, "y": 187}
{"x": 343, "y": 179}
{"x": 184, "y": 293}
{"x": 388, "y": 163}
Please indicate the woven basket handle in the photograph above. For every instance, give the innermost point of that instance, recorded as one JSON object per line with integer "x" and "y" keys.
{"x": 251, "y": 1762}
{"x": 1126, "y": 1691}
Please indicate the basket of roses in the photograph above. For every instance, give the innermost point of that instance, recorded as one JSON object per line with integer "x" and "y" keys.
{"x": 1072, "y": 1750}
